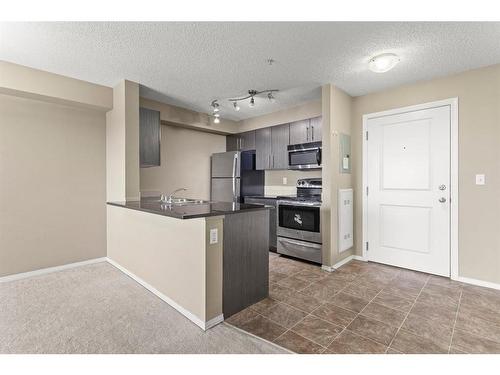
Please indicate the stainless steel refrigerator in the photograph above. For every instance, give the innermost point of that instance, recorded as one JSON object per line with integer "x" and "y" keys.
{"x": 234, "y": 176}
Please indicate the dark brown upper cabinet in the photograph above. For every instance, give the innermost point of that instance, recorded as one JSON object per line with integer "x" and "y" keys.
{"x": 305, "y": 131}
{"x": 149, "y": 137}
{"x": 271, "y": 147}
{"x": 280, "y": 137}
{"x": 263, "y": 152}
{"x": 241, "y": 142}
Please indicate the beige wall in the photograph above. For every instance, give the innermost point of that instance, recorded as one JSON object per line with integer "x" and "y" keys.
{"x": 478, "y": 92}
{"x": 171, "y": 114}
{"x": 171, "y": 255}
{"x": 341, "y": 124}
{"x": 336, "y": 108}
{"x": 276, "y": 177}
{"x": 185, "y": 162}
{"x": 122, "y": 144}
{"x": 53, "y": 185}
{"x": 18, "y": 80}
{"x": 299, "y": 112}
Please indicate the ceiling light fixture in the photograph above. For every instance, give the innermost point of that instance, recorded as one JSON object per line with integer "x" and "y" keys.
{"x": 251, "y": 95}
{"x": 383, "y": 63}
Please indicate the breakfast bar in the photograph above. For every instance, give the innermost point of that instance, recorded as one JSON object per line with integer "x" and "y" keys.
{"x": 208, "y": 260}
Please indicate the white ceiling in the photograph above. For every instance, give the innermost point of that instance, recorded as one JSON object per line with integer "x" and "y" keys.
{"x": 190, "y": 64}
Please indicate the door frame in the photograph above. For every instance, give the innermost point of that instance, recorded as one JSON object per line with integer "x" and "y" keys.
{"x": 453, "y": 103}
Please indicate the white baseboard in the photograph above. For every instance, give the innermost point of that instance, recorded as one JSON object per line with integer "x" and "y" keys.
{"x": 200, "y": 323}
{"x": 43, "y": 271}
{"x": 486, "y": 284}
{"x": 360, "y": 258}
{"x": 343, "y": 261}
{"x": 327, "y": 268}
{"x": 214, "y": 321}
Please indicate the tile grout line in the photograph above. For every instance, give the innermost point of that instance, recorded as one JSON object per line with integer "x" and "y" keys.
{"x": 356, "y": 281}
{"x": 408, "y": 313}
{"x": 455, "y": 321}
{"x": 310, "y": 314}
{"x": 359, "y": 314}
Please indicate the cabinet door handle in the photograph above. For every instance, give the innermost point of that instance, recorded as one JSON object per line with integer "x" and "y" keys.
{"x": 312, "y": 130}
{"x": 273, "y": 160}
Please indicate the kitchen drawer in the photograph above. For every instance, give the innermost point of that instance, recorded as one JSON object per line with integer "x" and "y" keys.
{"x": 300, "y": 249}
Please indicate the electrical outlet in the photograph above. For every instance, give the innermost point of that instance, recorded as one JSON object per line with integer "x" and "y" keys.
{"x": 214, "y": 234}
{"x": 480, "y": 179}
{"x": 285, "y": 180}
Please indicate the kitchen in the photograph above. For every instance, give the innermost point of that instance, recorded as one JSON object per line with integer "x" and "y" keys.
{"x": 297, "y": 203}
{"x": 238, "y": 177}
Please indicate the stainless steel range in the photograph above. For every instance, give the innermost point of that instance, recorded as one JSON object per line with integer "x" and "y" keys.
{"x": 299, "y": 224}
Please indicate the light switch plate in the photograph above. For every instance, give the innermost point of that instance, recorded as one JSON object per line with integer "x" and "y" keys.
{"x": 214, "y": 234}
{"x": 285, "y": 180}
{"x": 480, "y": 179}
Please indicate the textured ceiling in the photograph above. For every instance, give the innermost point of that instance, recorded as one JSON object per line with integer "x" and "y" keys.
{"x": 190, "y": 64}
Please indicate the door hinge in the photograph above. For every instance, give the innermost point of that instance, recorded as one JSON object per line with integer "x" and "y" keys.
{"x": 367, "y": 190}
{"x": 366, "y": 245}
{"x": 366, "y": 135}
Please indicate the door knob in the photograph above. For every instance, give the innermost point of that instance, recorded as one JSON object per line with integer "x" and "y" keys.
{"x": 442, "y": 199}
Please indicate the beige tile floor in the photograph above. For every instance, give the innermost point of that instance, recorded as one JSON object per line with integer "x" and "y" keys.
{"x": 371, "y": 308}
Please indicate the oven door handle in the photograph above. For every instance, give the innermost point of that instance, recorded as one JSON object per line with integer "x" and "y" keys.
{"x": 299, "y": 203}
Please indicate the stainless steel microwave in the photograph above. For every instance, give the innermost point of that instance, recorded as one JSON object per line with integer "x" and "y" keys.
{"x": 304, "y": 156}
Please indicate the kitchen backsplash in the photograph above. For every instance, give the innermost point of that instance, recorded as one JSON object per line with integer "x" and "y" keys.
{"x": 275, "y": 181}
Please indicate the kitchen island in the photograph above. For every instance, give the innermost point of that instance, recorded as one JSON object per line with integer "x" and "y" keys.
{"x": 208, "y": 260}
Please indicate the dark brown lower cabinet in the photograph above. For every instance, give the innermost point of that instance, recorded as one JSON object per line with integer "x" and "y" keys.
{"x": 245, "y": 260}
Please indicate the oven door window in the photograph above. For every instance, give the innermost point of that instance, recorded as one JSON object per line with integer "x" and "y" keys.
{"x": 303, "y": 157}
{"x": 299, "y": 217}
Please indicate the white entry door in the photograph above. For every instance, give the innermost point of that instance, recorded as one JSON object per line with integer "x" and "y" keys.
{"x": 408, "y": 195}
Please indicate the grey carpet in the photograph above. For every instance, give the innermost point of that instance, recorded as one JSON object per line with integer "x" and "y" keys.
{"x": 98, "y": 309}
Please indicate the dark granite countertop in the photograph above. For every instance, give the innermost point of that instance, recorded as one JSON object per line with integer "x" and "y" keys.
{"x": 189, "y": 211}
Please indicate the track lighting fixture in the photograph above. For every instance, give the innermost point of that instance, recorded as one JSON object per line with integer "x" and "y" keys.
{"x": 251, "y": 95}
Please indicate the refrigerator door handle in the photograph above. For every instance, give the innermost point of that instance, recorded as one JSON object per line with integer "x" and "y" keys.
{"x": 235, "y": 162}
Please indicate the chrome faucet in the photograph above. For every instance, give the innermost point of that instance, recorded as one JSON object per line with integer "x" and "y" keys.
{"x": 169, "y": 198}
